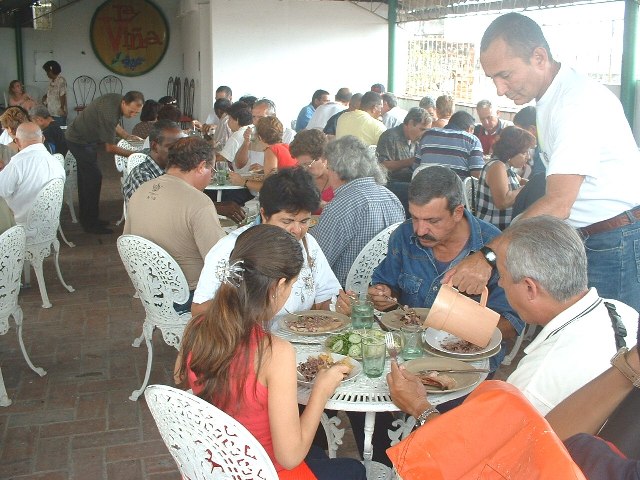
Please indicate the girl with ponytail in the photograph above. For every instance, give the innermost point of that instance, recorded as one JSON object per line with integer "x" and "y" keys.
{"x": 229, "y": 358}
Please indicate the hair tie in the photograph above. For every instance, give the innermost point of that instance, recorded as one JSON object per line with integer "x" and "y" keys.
{"x": 230, "y": 274}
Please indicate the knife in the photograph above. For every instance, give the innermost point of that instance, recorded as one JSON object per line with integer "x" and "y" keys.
{"x": 439, "y": 370}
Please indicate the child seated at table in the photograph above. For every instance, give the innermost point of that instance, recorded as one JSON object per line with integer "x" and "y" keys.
{"x": 229, "y": 358}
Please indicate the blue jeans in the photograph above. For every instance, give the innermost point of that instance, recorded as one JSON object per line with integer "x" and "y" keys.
{"x": 325, "y": 468}
{"x": 60, "y": 121}
{"x": 613, "y": 263}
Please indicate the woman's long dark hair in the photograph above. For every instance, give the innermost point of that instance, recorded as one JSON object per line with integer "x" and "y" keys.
{"x": 221, "y": 338}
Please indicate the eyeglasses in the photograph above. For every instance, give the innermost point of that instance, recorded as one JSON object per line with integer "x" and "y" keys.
{"x": 308, "y": 165}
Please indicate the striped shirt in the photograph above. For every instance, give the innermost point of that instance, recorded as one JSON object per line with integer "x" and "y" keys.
{"x": 458, "y": 150}
{"x": 486, "y": 210}
{"x": 147, "y": 170}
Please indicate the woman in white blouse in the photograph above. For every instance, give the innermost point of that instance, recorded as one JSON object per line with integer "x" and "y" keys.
{"x": 287, "y": 199}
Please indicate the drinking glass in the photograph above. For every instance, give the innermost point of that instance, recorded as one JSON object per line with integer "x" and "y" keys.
{"x": 411, "y": 342}
{"x": 222, "y": 173}
{"x": 361, "y": 311}
{"x": 373, "y": 354}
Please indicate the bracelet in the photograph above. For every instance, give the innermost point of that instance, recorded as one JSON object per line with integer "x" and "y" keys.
{"x": 422, "y": 418}
{"x": 619, "y": 361}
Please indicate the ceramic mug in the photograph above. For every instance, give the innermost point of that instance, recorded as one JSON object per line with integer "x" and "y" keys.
{"x": 462, "y": 316}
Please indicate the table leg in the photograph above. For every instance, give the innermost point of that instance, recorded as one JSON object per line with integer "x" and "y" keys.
{"x": 369, "y": 424}
{"x": 334, "y": 434}
{"x": 219, "y": 197}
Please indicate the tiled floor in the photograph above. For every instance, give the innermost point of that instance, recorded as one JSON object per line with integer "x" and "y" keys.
{"x": 77, "y": 422}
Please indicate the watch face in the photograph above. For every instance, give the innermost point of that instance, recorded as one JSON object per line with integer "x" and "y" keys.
{"x": 491, "y": 256}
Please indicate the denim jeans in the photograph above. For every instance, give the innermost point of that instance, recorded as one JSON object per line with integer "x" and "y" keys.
{"x": 613, "y": 263}
{"x": 325, "y": 468}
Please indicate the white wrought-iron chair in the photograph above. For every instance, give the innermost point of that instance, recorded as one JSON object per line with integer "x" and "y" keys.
{"x": 204, "y": 441}
{"x": 159, "y": 283}
{"x": 470, "y": 193}
{"x": 41, "y": 229}
{"x": 121, "y": 166}
{"x": 71, "y": 183}
{"x": 60, "y": 158}
{"x": 372, "y": 254}
{"x": 12, "y": 251}
{"x": 133, "y": 161}
{"x": 528, "y": 332}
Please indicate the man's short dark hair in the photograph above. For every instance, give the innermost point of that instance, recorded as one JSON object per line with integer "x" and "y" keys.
{"x": 526, "y": 117}
{"x": 221, "y": 105}
{"x": 52, "y": 66}
{"x": 519, "y": 32}
{"x": 484, "y": 104}
{"x": 169, "y": 112}
{"x": 427, "y": 102}
{"x": 343, "y": 95}
{"x": 39, "y": 111}
{"x": 417, "y": 115}
{"x": 155, "y": 134}
{"x": 133, "y": 96}
{"x": 460, "y": 120}
{"x": 187, "y": 153}
{"x": 248, "y": 100}
{"x": 241, "y": 113}
{"x": 318, "y": 94}
{"x": 168, "y": 100}
{"x": 378, "y": 87}
{"x": 226, "y": 90}
{"x": 370, "y": 100}
{"x": 289, "y": 190}
{"x": 390, "y": 99}
{"x": 436, "y": 182}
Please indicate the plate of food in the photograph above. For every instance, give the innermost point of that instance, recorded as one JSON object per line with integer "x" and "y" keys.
{"x": 309, "y": 365}
{"x": 349, "y": 342}
{"x": 468, "y": 358}
{"x": 431, "y": 374}
{"x": 396, "y": 319}
{"x": 315, "y": 322}
{"x": 448, "y": 343}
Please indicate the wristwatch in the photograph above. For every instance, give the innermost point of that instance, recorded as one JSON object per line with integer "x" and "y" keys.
{"x": 420, "y": 419}
{"x": 619, "y": 361}
{"x": 489, "y": 256}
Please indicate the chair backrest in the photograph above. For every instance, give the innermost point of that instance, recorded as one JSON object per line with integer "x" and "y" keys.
{"x": 84, "y": 90}
{"x": 70, "y": 165}
{"x": 60, "y": 158}
{"x": 44, "y": 217}
{"x": 110, "y": 84}
{"x": 372, "y": 254}
{"x": 133, "y": 161}
{"x": 470, "y": 193}
{"x": 121, "y": 162}
{"x": 158, "y": 280}
{"x": 204, "y": 441}
{"x": 12, "y": 248}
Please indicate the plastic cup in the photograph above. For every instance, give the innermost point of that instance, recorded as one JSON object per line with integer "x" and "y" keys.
{"x": 373, "y": 355}
{"x": 411, "y": 347}
{"x": 222, "y": 173}
{"x": 361, "y": 312}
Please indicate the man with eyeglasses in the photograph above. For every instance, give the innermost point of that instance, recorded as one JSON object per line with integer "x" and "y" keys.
{"x": 172, "y": 211}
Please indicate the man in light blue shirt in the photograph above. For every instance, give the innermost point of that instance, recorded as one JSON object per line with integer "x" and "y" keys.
{"x": 320, "y": 97}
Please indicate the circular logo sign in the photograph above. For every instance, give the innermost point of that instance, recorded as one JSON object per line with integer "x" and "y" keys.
{"x": 129, "y": 37}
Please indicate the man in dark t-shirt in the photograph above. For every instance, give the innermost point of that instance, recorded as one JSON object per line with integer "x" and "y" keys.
{"x": 97, "y": 126}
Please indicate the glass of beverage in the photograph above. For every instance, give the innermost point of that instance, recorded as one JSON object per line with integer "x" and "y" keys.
{"x": 411, "y": 346}
{"x": 222, "y": 173}
{"x": 361, "y": 311}
{"x": 373, "y": 355}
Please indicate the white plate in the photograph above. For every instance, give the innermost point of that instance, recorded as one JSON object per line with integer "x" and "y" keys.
{"x": 463, "y": 380}
{"x": 392, "y": 319}
{"x": 340, "y": 322}
{"x": 435, "y": 338}
{"x": 470, "y": 358}
{"x": 303, "y": 357}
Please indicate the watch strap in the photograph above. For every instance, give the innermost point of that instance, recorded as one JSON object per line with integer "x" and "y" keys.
{"x": 619, "y": 361}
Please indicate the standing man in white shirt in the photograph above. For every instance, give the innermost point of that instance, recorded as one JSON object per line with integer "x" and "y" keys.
{"x": 325, "y": 111}
{"x": 591, "y": 183}
{"x": 28, "y": 172}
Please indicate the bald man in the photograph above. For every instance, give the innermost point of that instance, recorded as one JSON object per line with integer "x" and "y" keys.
{"x": 28, "y": 171}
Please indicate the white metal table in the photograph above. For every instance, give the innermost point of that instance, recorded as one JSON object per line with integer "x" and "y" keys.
{"x": 370, "y": 395}
{"x": 220, "y": 188}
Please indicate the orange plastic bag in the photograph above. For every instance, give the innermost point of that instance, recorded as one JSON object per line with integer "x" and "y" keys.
{"x": 301, "y": 472}
{"x": 495, "y": 434}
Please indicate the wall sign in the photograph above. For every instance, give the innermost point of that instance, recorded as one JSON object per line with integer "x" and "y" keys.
{"x": 129, "y": 37}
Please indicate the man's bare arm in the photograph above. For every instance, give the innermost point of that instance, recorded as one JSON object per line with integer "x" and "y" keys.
{"x": 561, "y": 194}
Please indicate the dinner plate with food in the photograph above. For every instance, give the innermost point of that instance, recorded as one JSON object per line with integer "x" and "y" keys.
{"x": 396, "y": 319}
{"x": 310, "y": 364}
{"x": 314, "y": 322}
{"x": 444, "y": 375}
{"x": 448, "y": 343}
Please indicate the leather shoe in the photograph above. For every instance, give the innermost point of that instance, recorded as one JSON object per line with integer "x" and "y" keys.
{"x": 98, "y": 230}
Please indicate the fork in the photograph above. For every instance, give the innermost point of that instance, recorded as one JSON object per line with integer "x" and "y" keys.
{"x": 391, "y": 346}
{"x": 294, "y": 314}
